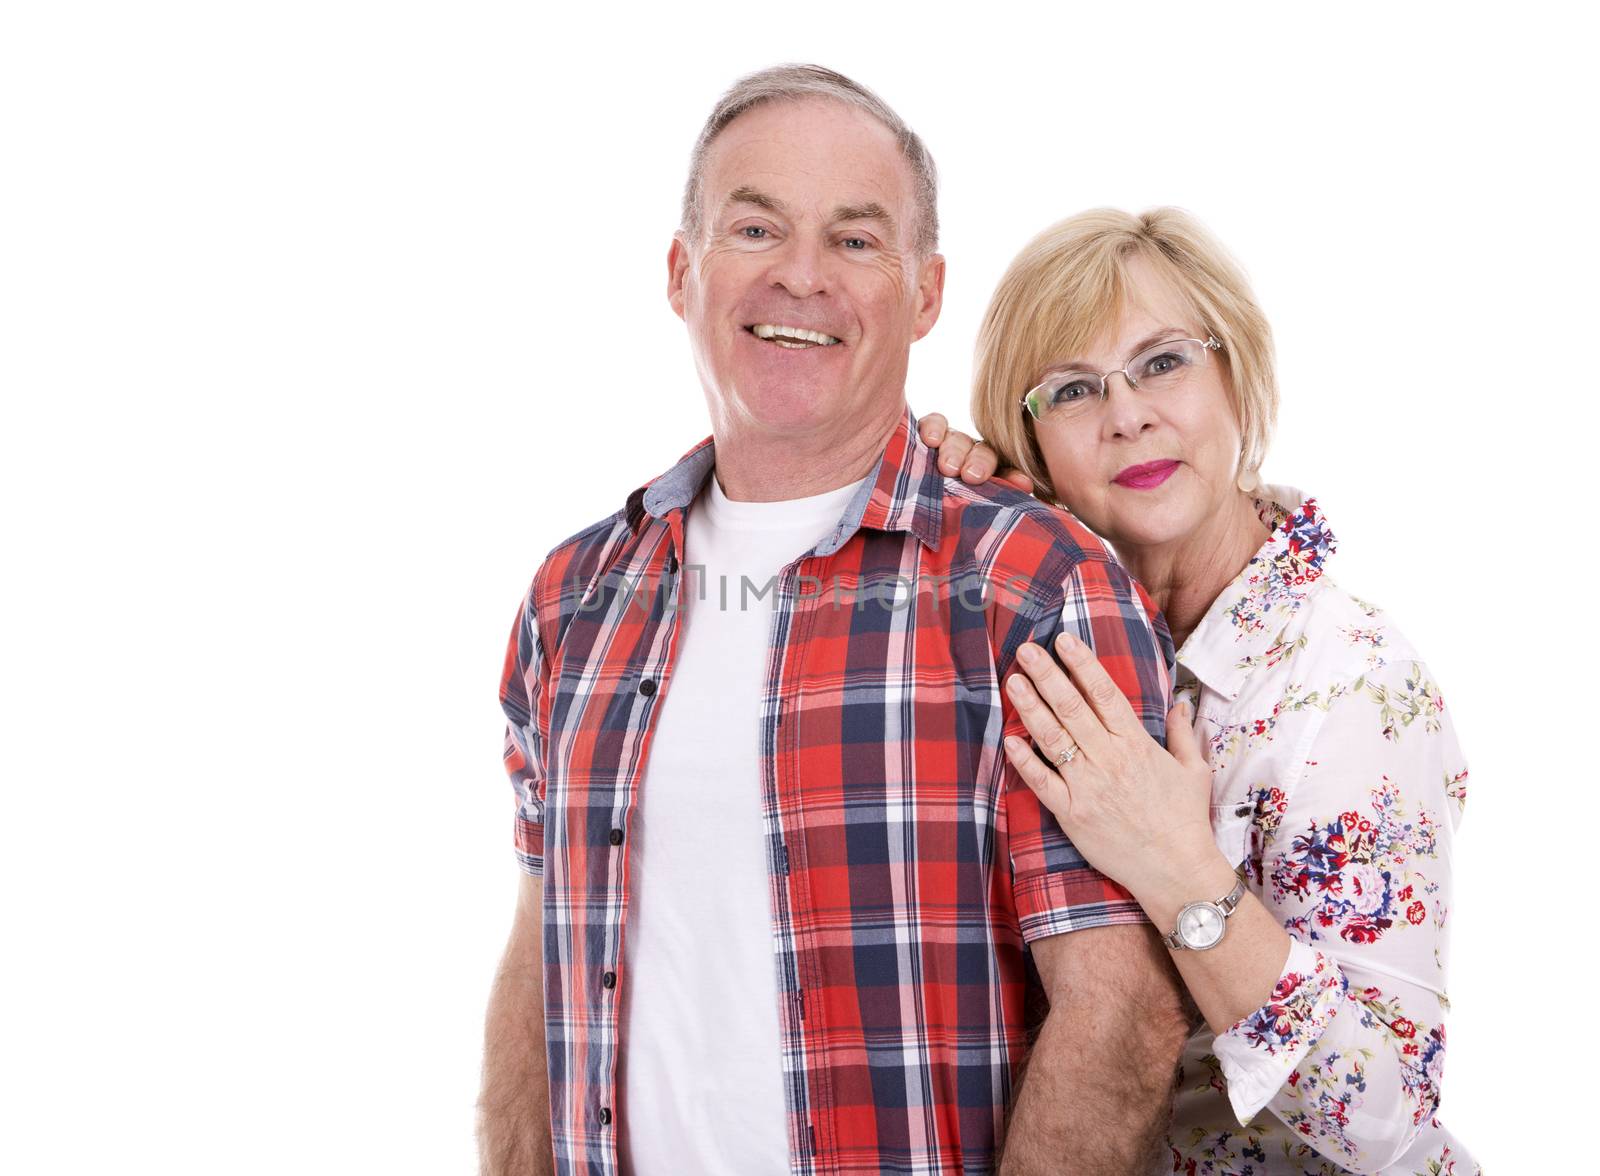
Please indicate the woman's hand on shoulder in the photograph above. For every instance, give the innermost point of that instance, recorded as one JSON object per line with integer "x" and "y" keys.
{"x": 1139, "y": 812}
{"x": 960, "y": 455}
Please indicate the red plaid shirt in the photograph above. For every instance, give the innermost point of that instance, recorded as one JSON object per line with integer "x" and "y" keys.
{"x": 908, "y": 864}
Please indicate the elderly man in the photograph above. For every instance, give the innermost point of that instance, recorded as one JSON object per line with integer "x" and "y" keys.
{"x": 785, "y": 905}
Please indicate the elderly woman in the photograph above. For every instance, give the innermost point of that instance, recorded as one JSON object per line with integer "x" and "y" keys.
{"x": 1293, "y": 841}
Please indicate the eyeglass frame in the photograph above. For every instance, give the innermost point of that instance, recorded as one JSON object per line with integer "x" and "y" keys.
{"x": 1210, "y": 343}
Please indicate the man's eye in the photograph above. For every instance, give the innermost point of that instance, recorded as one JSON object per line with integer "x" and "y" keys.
{"x": 855, "y": 242}
{"x": 754, "y": 232}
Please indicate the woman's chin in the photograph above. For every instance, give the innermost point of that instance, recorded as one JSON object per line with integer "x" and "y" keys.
{"x": 1155, "y": 526}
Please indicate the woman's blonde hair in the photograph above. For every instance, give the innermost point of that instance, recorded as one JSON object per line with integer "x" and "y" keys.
{"x": 1069, "y": 284}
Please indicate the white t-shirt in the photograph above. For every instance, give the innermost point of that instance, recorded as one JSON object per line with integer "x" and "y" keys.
{"x": 701, "y": 1062}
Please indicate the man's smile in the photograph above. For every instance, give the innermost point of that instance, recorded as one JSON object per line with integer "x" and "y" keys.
{"x": 794, "y": 338}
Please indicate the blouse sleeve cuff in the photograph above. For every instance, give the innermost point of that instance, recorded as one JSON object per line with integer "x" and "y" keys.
{"x": 1260, "y": 1053}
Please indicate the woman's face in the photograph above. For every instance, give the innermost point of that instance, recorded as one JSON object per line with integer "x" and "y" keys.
{"x": 1145, "y": 468}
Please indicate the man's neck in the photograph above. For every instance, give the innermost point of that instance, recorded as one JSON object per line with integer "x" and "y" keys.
{"x": 755, "y": 466}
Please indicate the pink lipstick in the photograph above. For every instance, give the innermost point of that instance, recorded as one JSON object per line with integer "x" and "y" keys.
{"x": 1147, "y": 476}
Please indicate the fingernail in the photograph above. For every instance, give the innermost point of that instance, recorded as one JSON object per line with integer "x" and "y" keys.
{"x": 1028, "y": 653}
{"x": 1067, "y": 642}
{"x": 1014, "y": 686}
{"x": 1013, "y": 745}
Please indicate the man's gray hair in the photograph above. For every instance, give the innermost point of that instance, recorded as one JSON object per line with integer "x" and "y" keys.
{"x": 792, "y": 83}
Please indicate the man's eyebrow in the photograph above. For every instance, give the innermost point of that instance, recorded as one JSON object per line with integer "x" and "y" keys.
{"x": 870, "y": 211}
{"x": 1160, "y": 335}
{"x": 748, "y": 195}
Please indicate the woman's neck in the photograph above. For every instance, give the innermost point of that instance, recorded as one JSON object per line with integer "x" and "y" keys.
{"x": 1186, "y": 576}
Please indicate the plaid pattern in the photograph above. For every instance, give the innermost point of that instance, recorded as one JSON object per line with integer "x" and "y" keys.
{"x": 908, "y": 865}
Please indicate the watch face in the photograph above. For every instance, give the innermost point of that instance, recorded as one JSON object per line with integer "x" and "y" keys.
{"x": 1200, "y": 925}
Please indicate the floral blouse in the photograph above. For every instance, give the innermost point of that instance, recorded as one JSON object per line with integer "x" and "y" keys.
{"x": 1337, "y": 786}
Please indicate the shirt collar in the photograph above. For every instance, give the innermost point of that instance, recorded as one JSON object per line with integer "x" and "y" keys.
{"x": 1245, "y": 626}
{"x": 904, "y": 492}
{"x": 674, "y": 489}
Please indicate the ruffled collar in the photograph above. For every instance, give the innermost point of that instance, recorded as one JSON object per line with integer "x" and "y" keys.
{"x": 1246, "y": 626}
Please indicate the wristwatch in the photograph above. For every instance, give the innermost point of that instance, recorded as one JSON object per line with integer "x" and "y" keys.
{"x": 1201, "y": 925}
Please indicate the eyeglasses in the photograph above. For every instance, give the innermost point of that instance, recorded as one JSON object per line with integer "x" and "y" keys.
{"x": 1162, "y": 368}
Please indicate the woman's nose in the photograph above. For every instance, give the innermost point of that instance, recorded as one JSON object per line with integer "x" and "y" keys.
{"x": 1128, "y": 411}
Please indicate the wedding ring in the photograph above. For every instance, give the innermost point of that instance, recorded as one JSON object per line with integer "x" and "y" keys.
{"x": 1066, "y": 755}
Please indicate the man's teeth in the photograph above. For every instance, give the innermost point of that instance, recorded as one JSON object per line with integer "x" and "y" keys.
{"x": 792, "y": 337}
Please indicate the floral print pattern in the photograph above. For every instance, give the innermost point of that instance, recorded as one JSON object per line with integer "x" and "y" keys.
{"x": 1300, "y": 1005}
{"x": 1295, "y": 557}
{"x": 1421, "y": 1048}
{"x": 1337, "y": 785}
{"x": 1355, "y": 870}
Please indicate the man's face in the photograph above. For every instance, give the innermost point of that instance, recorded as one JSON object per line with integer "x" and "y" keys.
{"x": 803, "y": 294}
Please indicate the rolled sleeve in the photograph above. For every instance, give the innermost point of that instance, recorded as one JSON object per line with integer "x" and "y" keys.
{"x": 1259, "y": 1054}
{"x": 521, "y": 683}
{"x": 1055, "y": 889}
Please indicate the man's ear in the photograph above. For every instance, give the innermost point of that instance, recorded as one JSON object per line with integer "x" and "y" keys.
{"x": 930, "y": 294}
{"x": 677, "y": 271}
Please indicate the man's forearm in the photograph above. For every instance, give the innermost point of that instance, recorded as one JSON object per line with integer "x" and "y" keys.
{"x": 1096, "y": 1093}
{"x": 514, "y": 1106}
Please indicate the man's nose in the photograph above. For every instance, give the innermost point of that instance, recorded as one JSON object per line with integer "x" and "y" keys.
{"x": 1128, "y": 410}
{"x": 799, "y": 265}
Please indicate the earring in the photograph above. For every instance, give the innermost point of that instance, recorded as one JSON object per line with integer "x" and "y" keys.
{"x": 1249, "y": 480}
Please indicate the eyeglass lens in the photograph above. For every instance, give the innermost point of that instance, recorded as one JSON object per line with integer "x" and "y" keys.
{"x": 1159, "y": 368}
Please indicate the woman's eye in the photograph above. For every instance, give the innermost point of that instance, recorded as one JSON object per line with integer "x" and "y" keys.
{"x": 1070, "y": 392}
{"x": 1164, "y": 364}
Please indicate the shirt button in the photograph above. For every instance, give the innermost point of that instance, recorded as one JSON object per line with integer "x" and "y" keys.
{"x": 609, "y": 980}
{"x": 647, "y": 687}
{"x": 605, "y": 1116}
{"x": 616, "y": 837}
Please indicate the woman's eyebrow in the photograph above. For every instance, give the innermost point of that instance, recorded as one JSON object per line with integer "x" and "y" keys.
{"x": 1161, "y": 335}
{"x": 1165, "y": 334}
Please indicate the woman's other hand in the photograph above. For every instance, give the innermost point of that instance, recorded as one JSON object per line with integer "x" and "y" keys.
{"x": 973, "y": 460}
{"x": 1140, "y": 813}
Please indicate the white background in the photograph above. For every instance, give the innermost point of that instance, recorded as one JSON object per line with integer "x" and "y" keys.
{"x": 321, "y": 322}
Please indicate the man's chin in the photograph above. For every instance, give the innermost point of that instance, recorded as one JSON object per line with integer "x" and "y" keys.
{"x": 791, "y": 407}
